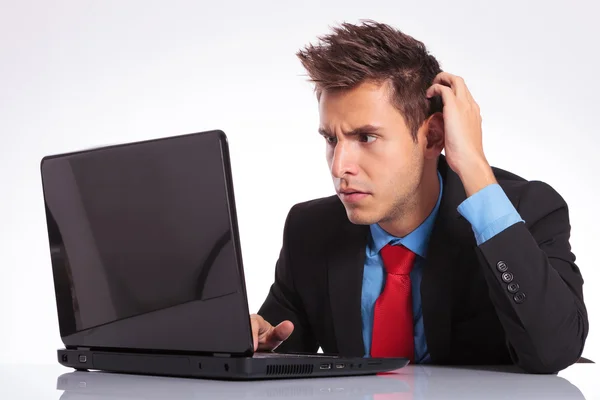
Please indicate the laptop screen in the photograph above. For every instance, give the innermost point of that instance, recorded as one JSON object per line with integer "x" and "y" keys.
{"x": 142, "y": 246}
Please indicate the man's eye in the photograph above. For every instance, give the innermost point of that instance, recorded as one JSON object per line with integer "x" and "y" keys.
{"x": 331, "y": 139}
{"x": 367, "y": 138}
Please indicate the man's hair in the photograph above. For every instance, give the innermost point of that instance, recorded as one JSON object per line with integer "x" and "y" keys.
{"x": 375, "y": 52}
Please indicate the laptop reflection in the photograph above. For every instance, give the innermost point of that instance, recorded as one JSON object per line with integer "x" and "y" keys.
{"x": 412, "y": 382}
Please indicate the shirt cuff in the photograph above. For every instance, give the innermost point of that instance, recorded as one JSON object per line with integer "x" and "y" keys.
{"x": 489, "y": 211}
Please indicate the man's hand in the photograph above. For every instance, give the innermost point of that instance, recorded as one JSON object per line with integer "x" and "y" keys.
{"x": 267, "y": 337}
{"x": 463, "y": 138}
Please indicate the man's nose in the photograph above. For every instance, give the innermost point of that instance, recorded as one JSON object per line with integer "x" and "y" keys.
{"x": 343, "y": 162}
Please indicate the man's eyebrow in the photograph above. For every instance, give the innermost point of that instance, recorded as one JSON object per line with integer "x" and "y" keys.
{"x": 324, "y": 132}
{"x": 365, "y": 129}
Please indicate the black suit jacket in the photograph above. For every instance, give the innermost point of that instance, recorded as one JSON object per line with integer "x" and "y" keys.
{"x": 469, "y": 315}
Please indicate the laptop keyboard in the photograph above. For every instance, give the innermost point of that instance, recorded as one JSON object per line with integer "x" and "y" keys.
{"x": 287, "y": 355}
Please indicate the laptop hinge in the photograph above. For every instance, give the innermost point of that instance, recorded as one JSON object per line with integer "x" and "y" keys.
{"x": 221, "y": 354}
{"x": 83, "y": 348}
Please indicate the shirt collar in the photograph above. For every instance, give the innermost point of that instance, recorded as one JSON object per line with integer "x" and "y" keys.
{"x": 416, "y": 241}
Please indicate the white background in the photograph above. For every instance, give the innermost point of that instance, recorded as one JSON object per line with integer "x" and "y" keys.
{"x": 77, "y": 74}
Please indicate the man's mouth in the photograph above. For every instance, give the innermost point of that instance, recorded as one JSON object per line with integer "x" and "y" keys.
{"x": 352, "y": 195}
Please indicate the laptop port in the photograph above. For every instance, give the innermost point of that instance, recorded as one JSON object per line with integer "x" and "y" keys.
{"x": 325, "y": 366}
{"x": 340, "y": 366}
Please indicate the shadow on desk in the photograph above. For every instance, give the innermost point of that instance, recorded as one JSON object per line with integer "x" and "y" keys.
{"x": 513, "y": 369}
{"x": 412, "y": 382}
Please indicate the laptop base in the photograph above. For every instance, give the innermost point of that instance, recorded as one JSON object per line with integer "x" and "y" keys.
{"x": 226, "y": 368}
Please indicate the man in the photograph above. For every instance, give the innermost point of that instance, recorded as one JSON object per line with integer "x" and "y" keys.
{"x": 441, "y": 259}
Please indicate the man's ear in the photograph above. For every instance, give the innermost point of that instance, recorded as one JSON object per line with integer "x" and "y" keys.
{"x": 435, "y": 135}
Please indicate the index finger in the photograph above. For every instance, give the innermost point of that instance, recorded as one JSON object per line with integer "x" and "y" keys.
{"x": 447, "y": 95}
{"x": 456, "y": 83}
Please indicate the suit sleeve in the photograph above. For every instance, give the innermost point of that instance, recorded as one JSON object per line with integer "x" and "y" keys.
{"x": 283, "y": 301}
{"x": 535, "y": 285}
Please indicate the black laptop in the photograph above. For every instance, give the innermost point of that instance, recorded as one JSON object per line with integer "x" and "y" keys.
{"x": 147, "y": 265}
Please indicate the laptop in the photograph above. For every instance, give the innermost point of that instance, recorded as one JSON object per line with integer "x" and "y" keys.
{"x": 147, "y": 265}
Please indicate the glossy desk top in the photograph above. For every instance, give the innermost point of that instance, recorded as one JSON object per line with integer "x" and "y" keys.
{"x": 581, "y": 381}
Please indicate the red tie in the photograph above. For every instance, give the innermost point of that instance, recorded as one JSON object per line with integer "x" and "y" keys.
{"x": 393, "y": 319}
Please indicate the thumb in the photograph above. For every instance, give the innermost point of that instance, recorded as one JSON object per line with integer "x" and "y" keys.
{"x": 282, "y": 331}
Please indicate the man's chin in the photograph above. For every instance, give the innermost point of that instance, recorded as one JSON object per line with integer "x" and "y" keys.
{"x": 360, "y": 217}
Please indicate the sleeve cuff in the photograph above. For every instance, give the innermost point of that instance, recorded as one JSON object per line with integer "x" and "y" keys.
{"x": 490, "y": 212}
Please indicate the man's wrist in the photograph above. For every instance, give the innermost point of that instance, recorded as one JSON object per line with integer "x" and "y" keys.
{"x": 476, "y": 175}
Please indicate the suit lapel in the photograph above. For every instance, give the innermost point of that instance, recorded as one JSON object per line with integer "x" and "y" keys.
{"x": 436, "y": 294}
{"x": 447, "y": 239}
{"x": 345, "y": 273}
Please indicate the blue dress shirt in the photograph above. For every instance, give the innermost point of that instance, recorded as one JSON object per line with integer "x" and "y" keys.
{"x": 489, "y": 211}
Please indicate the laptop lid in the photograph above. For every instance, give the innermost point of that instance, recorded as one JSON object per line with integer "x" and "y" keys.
{"x": 145, "y": 248}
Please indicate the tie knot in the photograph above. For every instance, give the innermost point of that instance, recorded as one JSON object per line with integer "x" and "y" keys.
{"x": 397, "y": 260}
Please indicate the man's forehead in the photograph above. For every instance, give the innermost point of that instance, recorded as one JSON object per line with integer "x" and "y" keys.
{"x": 360, "y": 107}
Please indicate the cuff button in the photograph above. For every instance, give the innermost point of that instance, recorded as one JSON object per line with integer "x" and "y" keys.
{"x": 501, "y": 266}
{"x": 507, "y": 277}
{"x": 519, "y": 298}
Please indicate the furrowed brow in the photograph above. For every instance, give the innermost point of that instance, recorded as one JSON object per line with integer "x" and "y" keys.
{"x": 363, "y": 130}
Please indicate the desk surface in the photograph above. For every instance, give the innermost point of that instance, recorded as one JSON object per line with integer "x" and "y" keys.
{"x": 581, "y": 381}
